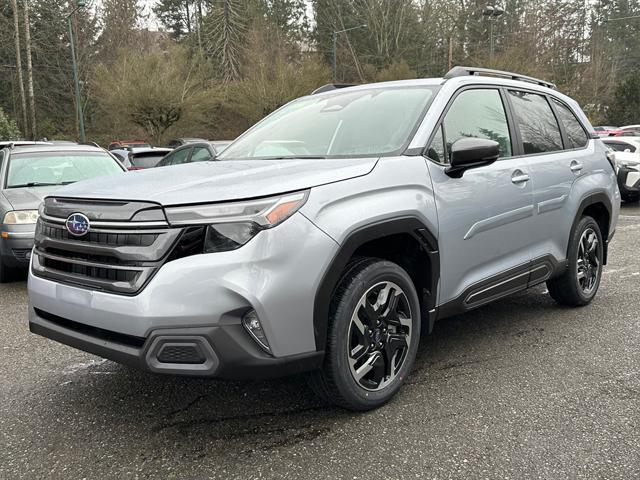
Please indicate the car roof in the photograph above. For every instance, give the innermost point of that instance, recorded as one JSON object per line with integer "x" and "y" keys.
{"x": 461, "y": 76}
{"x": 17, "y": 143}
{"x": 147, "y": 151}
{"x": 48, "y": 147}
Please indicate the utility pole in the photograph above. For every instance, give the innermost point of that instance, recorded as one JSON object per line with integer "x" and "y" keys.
{"x": 27, "y": 45}
{"x": 79, "y": 4}
{"x": 334, "y": 40}
{"x": 450, "y": 62}
{"x": 23, "y": 102}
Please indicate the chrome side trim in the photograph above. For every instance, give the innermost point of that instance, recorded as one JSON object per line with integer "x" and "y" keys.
{"x": 499, "y": 220}
{"x": 98, "y": 224}
{"x": 551, "y": 204}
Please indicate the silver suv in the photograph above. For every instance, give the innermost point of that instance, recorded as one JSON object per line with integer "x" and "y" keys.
{"x": 329, "y": 235}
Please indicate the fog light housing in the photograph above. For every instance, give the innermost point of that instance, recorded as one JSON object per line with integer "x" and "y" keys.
{"x": 251, "y": 324}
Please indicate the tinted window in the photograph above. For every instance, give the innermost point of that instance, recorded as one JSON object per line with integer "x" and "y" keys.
{"x": 176, "y": 158}
{"x": 480, "y": 114}
{"x": 620, "y": 146}
{"x": 575, "y": 133}
{"x": 538, "y": 126}
{"x": 200, "y": 154}
{"x": 347, "y": 123}
{"x": 436, "y": 149}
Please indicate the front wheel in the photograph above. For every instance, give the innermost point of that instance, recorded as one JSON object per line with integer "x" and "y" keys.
{"x": 4, "y": 272}
{"x": 578, "y": 285}
{"x": 373, "y": 336}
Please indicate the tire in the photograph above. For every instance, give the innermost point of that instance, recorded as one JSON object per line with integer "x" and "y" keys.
{"x": 374, "y": 312}
{"x": 4, "y": 272}
{"x": 578, "y": 285}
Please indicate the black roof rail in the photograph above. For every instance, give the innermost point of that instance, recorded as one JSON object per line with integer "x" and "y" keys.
{"x": 465, "y": 71}
{"x": 332, "y": 86}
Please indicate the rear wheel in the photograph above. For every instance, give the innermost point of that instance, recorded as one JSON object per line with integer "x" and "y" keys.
{"x": 373, "y": 336}
{"x": 579, "y": 284}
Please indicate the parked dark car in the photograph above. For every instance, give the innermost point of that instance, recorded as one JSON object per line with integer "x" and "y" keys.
{"x": 178, "y": 142}
{"x": 139, "y": 159}
{"x": 195, "y": 152}
{"x": 27, "y": 174}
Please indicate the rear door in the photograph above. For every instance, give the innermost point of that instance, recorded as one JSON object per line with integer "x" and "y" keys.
{"x": 484, "y": 216}
{"x": 554, "y": 145}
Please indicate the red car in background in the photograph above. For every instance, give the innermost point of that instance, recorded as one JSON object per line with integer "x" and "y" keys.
{"x": 607, "y": 131}
{"x": 124, "y": 144}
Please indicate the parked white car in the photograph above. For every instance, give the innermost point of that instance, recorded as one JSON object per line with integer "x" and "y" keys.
{"x": 627, "y": 155}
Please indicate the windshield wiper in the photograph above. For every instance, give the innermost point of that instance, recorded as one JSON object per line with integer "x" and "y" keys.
{"x": 40, "y": 184}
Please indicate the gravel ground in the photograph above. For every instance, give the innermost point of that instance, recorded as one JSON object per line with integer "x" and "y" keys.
{"x": 519, "y": 389}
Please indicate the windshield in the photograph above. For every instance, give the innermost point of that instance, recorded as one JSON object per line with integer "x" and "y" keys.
{"x": 58, "y": 168}
{"x": 357, "y": 123}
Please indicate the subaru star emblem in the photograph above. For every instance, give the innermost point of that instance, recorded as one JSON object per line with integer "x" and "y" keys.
{"x": 77, "y": 224}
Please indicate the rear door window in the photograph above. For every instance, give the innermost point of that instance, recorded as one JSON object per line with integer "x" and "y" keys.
{"x": 538, "y": 126}
{"x": 576, "y": 136}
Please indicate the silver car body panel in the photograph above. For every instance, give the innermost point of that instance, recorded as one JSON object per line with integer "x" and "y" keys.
{"x": 483, "y": 222}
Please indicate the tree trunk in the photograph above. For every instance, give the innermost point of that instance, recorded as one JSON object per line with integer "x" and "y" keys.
{"x": 23, "y": 102}
{"x": 27, "y": 45}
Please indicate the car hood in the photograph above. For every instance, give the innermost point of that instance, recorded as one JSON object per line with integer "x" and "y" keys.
{"x": 219, "y": 181}
{"x": 28, "y": 198}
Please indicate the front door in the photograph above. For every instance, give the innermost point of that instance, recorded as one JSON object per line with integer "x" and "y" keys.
{"x": 484, "y": 217}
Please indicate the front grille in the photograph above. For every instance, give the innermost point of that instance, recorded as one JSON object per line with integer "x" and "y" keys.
{"x": 115, "y": 255}
{"x": 89, "y": 271}
{"x": 114, "y": 239}
{"x": 21, "y": 254}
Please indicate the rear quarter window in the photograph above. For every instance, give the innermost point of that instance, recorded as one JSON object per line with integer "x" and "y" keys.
{"x": 576, "y": 136}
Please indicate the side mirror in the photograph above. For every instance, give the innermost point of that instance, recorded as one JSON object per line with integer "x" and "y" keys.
{"x": 471, "y": 152}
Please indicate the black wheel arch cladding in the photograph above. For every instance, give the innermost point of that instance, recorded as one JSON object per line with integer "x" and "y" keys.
{"x": 362, "y": 236}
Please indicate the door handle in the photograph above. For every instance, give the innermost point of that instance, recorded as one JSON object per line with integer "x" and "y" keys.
{"x": 575, "y": 166}
{"x": 519, "y": 177}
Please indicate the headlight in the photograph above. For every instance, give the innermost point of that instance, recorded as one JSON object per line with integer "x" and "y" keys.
{"x": 230, "y": 225}
{"x": 20, "y": 217}
{"x": 628, "y": 163}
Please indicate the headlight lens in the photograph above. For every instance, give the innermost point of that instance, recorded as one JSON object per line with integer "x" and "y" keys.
{"x": 266, "y": 212}
{"x": 20, "y": 217}
{"x": 229, "y": 226}
{"x": 228, "y": 236}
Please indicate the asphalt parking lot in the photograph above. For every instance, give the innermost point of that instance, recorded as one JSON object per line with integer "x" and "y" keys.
{"x": 519, "y": 389}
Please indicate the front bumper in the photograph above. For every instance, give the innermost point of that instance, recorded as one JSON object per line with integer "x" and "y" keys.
{"x": 16, "y": 244}
{"x": 202, "y": 297}
{"x": 629, "y": 181}
{"x": 223, "y": 351}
